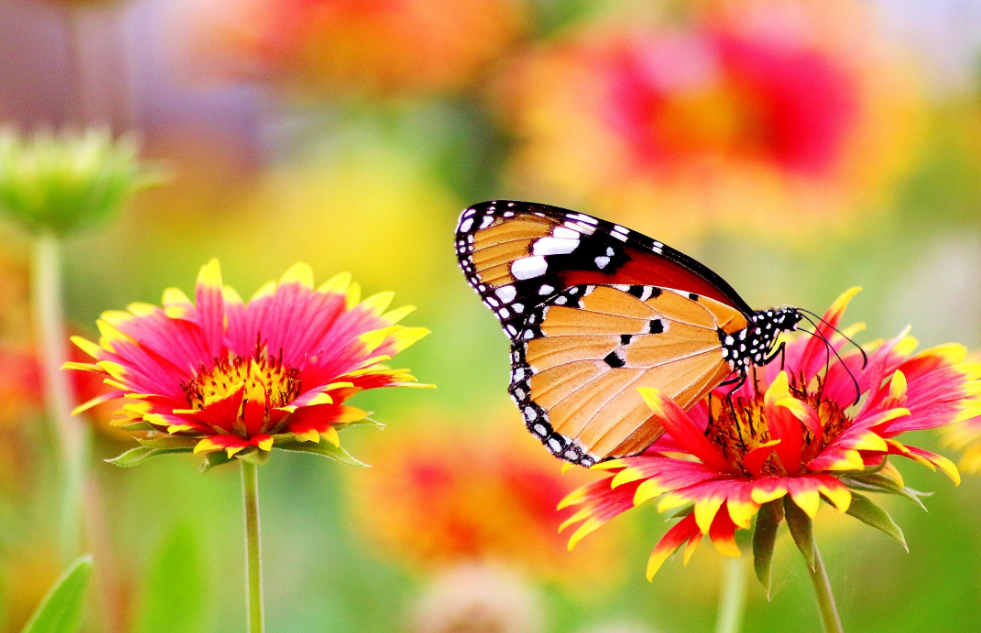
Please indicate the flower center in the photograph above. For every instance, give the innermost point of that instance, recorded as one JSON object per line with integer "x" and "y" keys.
{"x": 265, "y": 379}
{"x": 740, "y": 426}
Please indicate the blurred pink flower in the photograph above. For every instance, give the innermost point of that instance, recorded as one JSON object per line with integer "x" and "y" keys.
{"x": 763, "y": 113}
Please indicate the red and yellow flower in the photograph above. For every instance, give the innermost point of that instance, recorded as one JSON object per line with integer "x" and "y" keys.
{"x": 818, "y": 428}
{"x": 758, "y": 113}
{"x": 222, "y": 376}
{"x": 443, "y": 495}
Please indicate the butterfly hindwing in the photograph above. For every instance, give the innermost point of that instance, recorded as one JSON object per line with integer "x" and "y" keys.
{"x": 581, "y": 355}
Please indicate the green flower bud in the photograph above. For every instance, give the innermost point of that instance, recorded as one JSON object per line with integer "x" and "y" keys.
{"x": 63, "y": 182}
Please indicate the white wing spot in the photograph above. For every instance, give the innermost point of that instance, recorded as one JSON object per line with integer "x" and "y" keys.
{"x": 529, "y": 267}
{"x": 506, "y": 293}
{"x": 565, "y": 233}
{"x": 488, "y": 219}
{"x": 554, "y": 246}
{"x": 546, "y": 289}
{"x": 601, "y": 262}
{"x": 466, "y": 225}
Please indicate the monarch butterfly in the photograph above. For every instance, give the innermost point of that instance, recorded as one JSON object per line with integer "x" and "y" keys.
{"x": 593, "y": 311}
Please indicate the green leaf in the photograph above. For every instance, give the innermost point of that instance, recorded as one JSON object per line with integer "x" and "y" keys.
{"x": 869, "y": 513}
{"x": 764, "y": 540}
{"x": 801, "y": 529}
{"x": 175, "y": 586}
{"x": 62, "y": 608}
{"x": 136, "y": 456}
{"x": 877, "y": 482}
{"x": 324, "y": 449}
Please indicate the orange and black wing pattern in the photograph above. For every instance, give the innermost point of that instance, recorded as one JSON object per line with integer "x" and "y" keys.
{"x": 517, "y": 254}
{"x": 583, "y": 353}
{"x": 593, "y": 311}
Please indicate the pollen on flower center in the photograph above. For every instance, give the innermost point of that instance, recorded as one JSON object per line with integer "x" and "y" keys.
{"x": 740, "y": 426}
{"x": 265, "y": 379}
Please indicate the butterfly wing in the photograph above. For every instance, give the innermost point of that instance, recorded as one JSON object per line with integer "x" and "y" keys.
{"x": 582, "y": 354}
{"x": 517, "y": 254}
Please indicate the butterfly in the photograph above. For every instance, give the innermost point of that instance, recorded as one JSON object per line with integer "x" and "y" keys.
{"x": 595, "y": 310}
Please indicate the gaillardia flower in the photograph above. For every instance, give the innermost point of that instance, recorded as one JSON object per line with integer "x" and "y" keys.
{"x": 819, "y": 428}
{"x": 754, "y": 114}
{"x": 230, "y": 379}
{"x": 443, "y": 495}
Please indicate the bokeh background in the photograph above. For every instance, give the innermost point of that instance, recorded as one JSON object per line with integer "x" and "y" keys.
{"x": 798, "y": 148}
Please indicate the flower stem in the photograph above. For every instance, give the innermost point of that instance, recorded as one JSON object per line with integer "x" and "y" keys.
{"x": 825, "y": 599}
{"x": 732, "y": 596}
{"x": 253, "y": 546}
{"x": 49, "y": 325}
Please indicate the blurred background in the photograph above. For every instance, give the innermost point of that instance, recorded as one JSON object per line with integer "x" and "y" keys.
{"x": 797, "y": 148}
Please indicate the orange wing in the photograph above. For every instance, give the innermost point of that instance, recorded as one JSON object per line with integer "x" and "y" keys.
{"x": 582, "y": 355}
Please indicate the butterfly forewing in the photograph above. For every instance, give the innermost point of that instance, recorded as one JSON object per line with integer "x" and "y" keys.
{"x": 581, "y": 355}
{"x": 517, "y": 254}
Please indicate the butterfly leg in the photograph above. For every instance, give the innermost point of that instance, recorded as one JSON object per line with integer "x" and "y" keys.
{"x": 781, "y": 352}
{"x": 739, "y": 380}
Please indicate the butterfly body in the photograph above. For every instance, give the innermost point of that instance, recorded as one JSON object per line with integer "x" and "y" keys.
{"x": 594, "y": 311}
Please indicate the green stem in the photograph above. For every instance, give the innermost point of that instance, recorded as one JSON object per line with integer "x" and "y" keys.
{"x": 732, "y": 596}
{"x": 825, "y": 599}
{"x": 49, "y": 324}
{"x": 253, "y": 545}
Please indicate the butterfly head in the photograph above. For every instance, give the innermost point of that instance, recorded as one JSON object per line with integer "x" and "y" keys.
{"x": 782, "y": 319}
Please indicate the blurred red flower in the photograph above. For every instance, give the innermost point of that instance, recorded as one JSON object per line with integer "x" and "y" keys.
{"x": 761, "y": 112}
{"x": 445, "y": 495}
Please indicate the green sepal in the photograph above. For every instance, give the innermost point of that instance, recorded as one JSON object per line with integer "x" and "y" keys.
{"x": 324, "y": 449}
{"x": 254, "y": 455}
{"x": 136, "y": 426}
{"x": 802, "y": 529}
{"x": 764, "y": 540}
{"x": 214, "y": 458}
{"x": 685, "y": 511}
{"x": 168, "y": 441}
{"x": 364, "y": 422}
{"x": 863, "y": 509}
{"x": 138, "y": 455}
{"x": 877, "y": 482}
{"x": 62, "y": 608}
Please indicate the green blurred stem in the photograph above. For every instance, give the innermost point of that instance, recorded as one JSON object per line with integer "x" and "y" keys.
{"x": 253, "y": 545}
{"x": 732, "y": 596}
{"x": 825, "y": 599}
{"x": 49, "y": 324}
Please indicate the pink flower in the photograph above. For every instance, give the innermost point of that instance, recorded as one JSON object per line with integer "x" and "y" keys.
{"x": 231, "y": 379}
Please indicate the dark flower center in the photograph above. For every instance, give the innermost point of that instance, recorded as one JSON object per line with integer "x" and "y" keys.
{"x": 738, "y": 426}
{"x": 266, "y": 380}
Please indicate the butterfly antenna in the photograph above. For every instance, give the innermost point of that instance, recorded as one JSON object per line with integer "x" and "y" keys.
{"x": 865, "y": 357}
{"x": 831, "y": 348}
